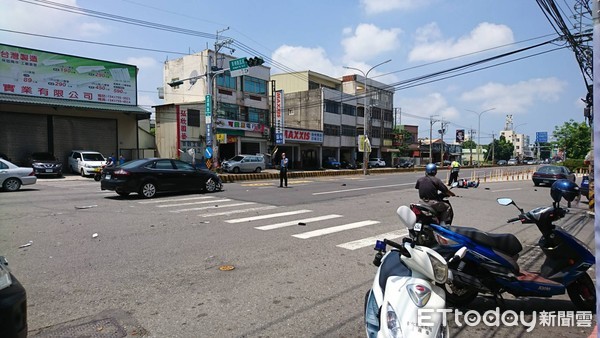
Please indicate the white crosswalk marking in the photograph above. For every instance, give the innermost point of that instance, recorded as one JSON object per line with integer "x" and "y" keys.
{"x": 285, "y": 224}
{"x": 370, "y": 241}
{"x": 212, "y": 207}
{"x": 255, "y": 218}
{"x": 176, "y": 199}
{"x": 335, "y": 229}
{"x": 239, "y": 211}
{"x": 192, "y": 203}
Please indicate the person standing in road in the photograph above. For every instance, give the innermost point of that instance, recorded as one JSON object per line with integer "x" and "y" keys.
{"x": 283, "y": 168}
{"x": 454, "y": 169}
{"x": 121, "y": 159}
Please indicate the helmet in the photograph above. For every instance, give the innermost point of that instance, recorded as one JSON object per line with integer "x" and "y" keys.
{"x": 566, "y": 189}
{"x": 431, "y": 169}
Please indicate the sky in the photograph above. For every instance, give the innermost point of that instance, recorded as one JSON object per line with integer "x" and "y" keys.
{"x": 541, "y": 88}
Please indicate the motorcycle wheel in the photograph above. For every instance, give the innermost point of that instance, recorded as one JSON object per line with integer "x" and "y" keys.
{"x": 583, "y": 293}
{"x": 458, "y": 295}
{"x": 97, "y": 177}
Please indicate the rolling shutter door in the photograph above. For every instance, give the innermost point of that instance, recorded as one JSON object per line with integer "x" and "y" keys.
{"x": 84, "y": 134}
{"x": 23, "y": 134}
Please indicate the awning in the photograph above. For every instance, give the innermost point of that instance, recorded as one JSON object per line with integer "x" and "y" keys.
{"x": 43, "y": 101}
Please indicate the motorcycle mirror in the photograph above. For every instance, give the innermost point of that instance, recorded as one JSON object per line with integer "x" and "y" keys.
{"x": 505, "y": 201}
{"x": 460, "y": 254}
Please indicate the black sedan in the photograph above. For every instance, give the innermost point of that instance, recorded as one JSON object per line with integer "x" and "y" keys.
{"x": 548, "y": 174}
{"x": 149, "y": 176}
{"x": 45, "y": 164}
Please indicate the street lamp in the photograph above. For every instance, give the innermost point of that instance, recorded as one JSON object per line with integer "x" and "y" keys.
{"x": 367, "y": 116}
{"x": 479, "y": 131}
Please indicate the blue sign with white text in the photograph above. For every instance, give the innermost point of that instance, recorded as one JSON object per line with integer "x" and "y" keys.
{"x": 541, "y": 137}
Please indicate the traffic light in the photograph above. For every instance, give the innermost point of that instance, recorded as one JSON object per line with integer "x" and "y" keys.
{"x": 255, "y": 61}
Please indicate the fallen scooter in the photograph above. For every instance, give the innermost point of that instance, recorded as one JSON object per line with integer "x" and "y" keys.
{"x": 404, "y": 287}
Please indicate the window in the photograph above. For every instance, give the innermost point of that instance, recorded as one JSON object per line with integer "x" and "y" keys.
{"x": 225, "y": 80}
{"x": 193, "y": 118}
{"x": 163, "y": 164}
{"x": 348, "y": 130}
{"x": 228, "y": 111}
{"x": 331, "y": 130}
{"x": 258, "y": 115}
{"x": 332, "y": 107}
{"x": 376, "y": 113}
{"x": 360, "y": 111}
{"x": 348, "y": 110}
{"x": 254, "y": 85}
{"x": 376, "y": 132}
{"x": 388, "y": 115}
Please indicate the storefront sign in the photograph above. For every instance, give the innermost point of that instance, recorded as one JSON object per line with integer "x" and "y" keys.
{"x": 37, "y": 73}
{"x": 208, "y": 119}
{"x": 182, "y": 119}
{"x": 279, "y": 120}
{"x": 303, "y": 135}
{"x": 240, "y": 125}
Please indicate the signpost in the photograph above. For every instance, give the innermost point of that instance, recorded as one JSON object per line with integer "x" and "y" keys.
{"x": 238, "y": 67}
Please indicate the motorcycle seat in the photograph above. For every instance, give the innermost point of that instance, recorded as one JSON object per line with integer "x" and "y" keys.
{"x": 392, "y": 265}
{"x": 507, "y": 243}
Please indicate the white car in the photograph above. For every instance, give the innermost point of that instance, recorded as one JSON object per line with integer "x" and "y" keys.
{"x": 12, "y": 177}
{"x": 376, "y": 162}
{"x": 85, "y": 162}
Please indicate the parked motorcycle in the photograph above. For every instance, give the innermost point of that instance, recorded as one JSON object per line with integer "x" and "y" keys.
{"x": 490, "y": 265}
{"x": 404, "y": 286}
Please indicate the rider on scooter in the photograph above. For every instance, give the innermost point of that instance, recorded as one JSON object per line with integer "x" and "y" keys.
{"x": 429, "y": 192}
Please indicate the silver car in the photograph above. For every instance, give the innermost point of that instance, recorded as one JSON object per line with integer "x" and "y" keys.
{"x": 244, "y": 163}
{"x": 12, "y": 177}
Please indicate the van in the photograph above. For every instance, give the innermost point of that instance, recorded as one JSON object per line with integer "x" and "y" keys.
{"x": 244, "y": 163}
{"x": 376, "y": 162}
{"x": 85, "y": 162}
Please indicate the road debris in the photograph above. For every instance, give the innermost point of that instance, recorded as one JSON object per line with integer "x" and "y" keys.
{"x": 86, "y": 206}
{"x": 26, "y": 245}
{"x": 94, "y": 235}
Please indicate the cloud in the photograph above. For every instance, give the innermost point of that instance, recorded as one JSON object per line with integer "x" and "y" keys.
{"x": 21, "y": 16}
{"x": 381, "y": 6}
{"x": 142, "y": 62}
{"x": 430, "y": 45}
{"x": 368, "y": 41}
{"x": 516, "y": 98}
{"x": 304, "y": 58}
{"x": 429, "y": 105}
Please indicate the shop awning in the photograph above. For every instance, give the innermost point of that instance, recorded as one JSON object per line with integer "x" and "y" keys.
{"x": 52, "y": 102}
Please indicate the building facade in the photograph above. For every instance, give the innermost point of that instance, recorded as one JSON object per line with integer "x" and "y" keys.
{"x": 240, "y": 117}
{"x": 520, "y": 142}
{"x": 56, "y": 103}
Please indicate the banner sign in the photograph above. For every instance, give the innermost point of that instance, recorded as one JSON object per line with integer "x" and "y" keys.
{"x": 279, "y": 120}
{"x": 37, "y": 73}
{"x": 240, "y": 125}
{"x": 460, "y": 135}
{"x": 298, "y": 135}
{"x": 208, "y": 119}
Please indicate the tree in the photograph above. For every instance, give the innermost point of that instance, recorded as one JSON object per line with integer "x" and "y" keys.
{"x": 469, "y": 144}
{"x": 574, "y": 138}
{"x": 503, "y": 150}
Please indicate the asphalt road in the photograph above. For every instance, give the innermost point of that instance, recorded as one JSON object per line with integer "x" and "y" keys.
{"x": 252, "y": 261}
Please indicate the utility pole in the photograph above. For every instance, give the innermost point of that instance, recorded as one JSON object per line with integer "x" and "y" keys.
{"x": 471, "y": 147}
{"x": 442, "y": 132}
{"x": 431, "y": 122}
{"x": 493, "y": 147}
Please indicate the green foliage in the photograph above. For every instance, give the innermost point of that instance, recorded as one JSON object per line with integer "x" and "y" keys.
{"x": 404, "y": 140}
{"x": 573, "y": 137}
{"x": 574, "y": 164}
{"x": 503, "y": 150}
{"x": 469, "y": 144}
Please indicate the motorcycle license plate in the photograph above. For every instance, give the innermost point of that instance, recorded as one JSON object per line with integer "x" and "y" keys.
{"x": 417, "y": 227}
{"x": 107, "y": 176}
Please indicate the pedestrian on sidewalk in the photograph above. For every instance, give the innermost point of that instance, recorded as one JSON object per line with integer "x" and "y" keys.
{"x": 283, "y": 169}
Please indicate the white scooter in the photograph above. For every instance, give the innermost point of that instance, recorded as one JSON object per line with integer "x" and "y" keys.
{"x": 404, "y": 298}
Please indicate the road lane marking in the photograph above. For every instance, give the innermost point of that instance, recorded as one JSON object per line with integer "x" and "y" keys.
{"x": 239, "y": 211}
{"x": 364, "y": 188}
{"x": 370, "y": 241}
{"x": 176, "y": 199}
{"x": 255, "y": 218}
{"x": 213, "y": 207}
{"x": 192, "y": 203}
{"x": 306, "y": 220}
{"x": 513, "y": 189}
{"x": 334, "y": 229}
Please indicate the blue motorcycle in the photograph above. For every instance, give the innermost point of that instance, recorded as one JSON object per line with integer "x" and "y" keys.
{"x": 490, "y": 265}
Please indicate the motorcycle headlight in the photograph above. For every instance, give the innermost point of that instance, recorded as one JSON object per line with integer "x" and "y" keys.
{"x": 5, "y": 280}
{"x": 393, "y": 323}
{"x": 440, "y": 269}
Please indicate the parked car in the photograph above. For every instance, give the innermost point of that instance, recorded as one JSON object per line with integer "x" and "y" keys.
{"x": 347, "y": 165}
{"x": 584, "y": 187}
{"x": 513, "y": 161}
{"x": 12, "y": 177}
{"x": 502, "y": 162}
{"x": 13, "y": 304}
{"x": 150, "y": 176}
{"x": 332, "y": 163}
{"x": 376, "y": 162}
{"x": 45, "y": 164}
{"x": 405, "y": 164}
{"x": 85, "y": 162}
{"x": 244, "y": 163}
{"x": 548, "y": 174}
